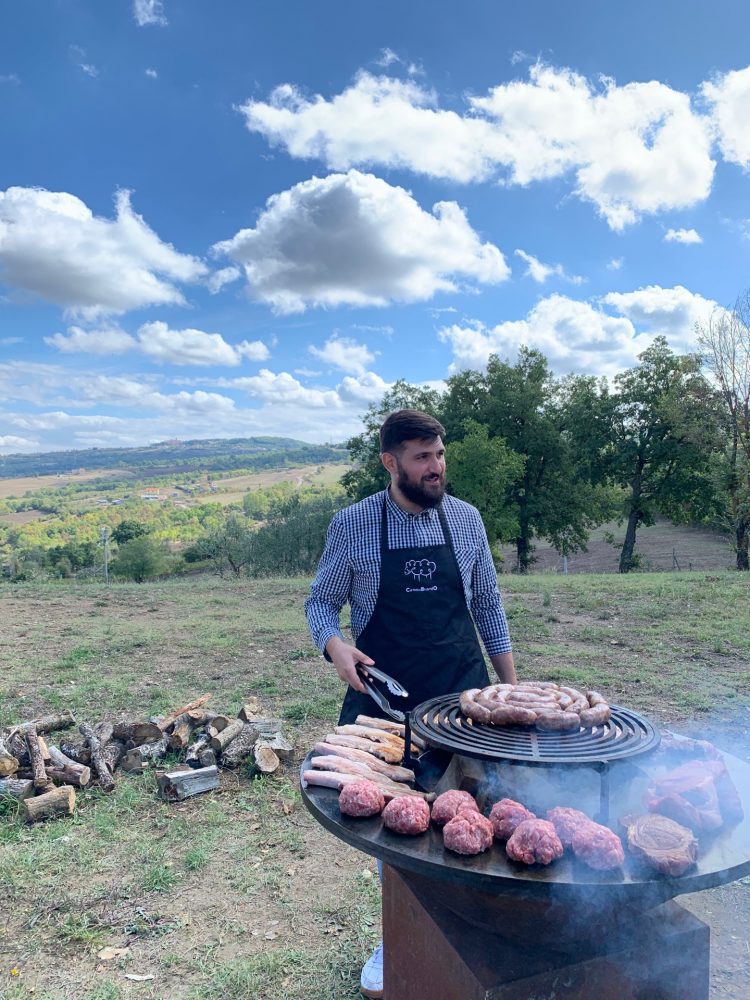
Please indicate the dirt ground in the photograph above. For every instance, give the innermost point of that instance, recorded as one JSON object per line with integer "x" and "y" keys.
{"x": 276, "y": 907}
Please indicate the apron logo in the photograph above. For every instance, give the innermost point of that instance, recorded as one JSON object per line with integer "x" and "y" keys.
{"x": 420, "y": 569}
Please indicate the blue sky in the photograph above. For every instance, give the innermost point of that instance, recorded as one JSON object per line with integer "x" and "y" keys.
{"x": 238, "y": 218}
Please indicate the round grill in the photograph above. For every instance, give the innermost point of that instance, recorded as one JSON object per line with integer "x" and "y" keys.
{"x": 440, "y": 723}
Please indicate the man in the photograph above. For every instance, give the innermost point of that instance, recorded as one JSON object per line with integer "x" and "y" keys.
{"x": 415, "y": 566}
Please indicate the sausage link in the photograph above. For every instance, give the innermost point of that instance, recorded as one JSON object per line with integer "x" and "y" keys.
{"x": 595, "y": 698}
{"x": 596, "y": 716}
{"x": 557, "y": 722}
{"x": 513, "y": 715}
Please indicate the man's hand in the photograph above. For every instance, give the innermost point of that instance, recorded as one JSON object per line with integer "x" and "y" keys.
{"x": 345, "y": 659}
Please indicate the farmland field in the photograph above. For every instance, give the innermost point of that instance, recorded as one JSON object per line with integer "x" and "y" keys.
{"x": 239, "y": 893}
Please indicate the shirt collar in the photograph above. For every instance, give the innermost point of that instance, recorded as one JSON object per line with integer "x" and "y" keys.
{"x": 404, "y": 515}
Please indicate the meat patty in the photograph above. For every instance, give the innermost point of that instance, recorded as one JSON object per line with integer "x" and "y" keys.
{"x": 534, "y": 842}
{"x": 567, "y": 822}
{"x": 406, "y": 814}
{"x": 505, "y": 816}
{"x": 361, "y": 798}
{"x": 447, "y": 805}
{"x": 598, "y": 847}
{"x": 468, "y": 832}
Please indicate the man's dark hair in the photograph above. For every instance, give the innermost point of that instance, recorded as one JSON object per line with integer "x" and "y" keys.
{"x": 408, "y": 425}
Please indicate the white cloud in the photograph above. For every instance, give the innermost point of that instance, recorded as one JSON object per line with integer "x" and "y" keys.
{"x": 387, "y": 58}
{"x": 353, "y": 239}
{"x": 539, "y": 272}
{"x": 194, "y": 347}
{"x": 615, "y": 264}
{"x": 344, "y": 353}
{"x": 152, "y": 73}
{"x": 77, "y": 54}
{"x": 9, "y": 341}
{"x": 51, "y": 244}
{"x": 224, "y": 276}
{"x": 573, "y": 335}
{"x": 149, "y": 12}
{"x": 682, "y": 236}
{"x": 672, "y": 312}
{"x": 729, "y": 98}
{"x": 12, "y": 443}
{"x": 106, "y": 341}
{"x": 59, "y": 419}
{"x": 633, "y": 150}
{"x": 12, "y": 78}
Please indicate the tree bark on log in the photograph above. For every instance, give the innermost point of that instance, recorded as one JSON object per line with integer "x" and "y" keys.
{"x": 183, "y": 728}
{"x": 167, "y": 721}
{"x": 225, "y": 737}
{"x": 37, "y": 760}
{"x": 135, "y": 734}
{"x": 280, "y": 746}
{"x": 73, "y": 774}
{"x": 18, "y": 788}
{"x": 9, "y": 763}
{"x": 177, "y": 785}
{"x": 137, "y": 760}
{"x": 101, "y": 767}
{"x": 241, "y": 746}
{"x": 59, "y": 760}
{"x": 113, "y": 753}
{"x": 218, "y": 724}
{"x": 200, "y": 753}
{"x": 50, "y": 723}
{"x": 249, "y": 710}
{"x": 77, "y": 753}
{"x": 58, "y": 802}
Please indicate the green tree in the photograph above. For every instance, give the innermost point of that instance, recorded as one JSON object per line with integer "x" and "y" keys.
{"x": 228, "y": 546}
{"x": 140, "y": 559}
{"x": 368, "y": 475}
{"x": 292, "y": 541}
{"x": 663, "y": 431}
{"x": 725, "y": 345}
{"x": 126, "y": 530}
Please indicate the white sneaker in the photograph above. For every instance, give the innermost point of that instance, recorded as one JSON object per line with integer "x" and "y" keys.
{"x": 371, "y": 981}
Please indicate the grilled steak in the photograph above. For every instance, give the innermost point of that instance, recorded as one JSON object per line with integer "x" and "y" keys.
{"x": 361, "y": 798}
{"x": 406, "y": 814}
{"x": 468, "y": 832}
{"x": 699, "y": 794}
{"x": 662, "y": 844}
{"x": 505, "y": 816}
{"x": 534, "y": 842}
{"x": 450, "y": 803}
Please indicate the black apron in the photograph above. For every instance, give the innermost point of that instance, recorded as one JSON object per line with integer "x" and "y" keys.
{"x": 421, "y": 631}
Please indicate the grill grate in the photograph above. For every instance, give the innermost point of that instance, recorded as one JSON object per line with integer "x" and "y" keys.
{"x": 440, "y": 723}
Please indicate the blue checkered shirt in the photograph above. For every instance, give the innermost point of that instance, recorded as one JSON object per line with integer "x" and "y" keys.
{"x": 349, "y": 568}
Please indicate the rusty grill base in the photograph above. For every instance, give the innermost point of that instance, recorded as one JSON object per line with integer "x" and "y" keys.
{"x": 433, "y": 954}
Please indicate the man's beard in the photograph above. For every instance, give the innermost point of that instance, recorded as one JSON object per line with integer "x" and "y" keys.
{"x": 425, "y": 494}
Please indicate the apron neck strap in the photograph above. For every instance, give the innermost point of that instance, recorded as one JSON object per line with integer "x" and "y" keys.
{"x": 384, "y": 525}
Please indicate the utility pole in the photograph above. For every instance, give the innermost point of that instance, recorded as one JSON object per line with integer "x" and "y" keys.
{"x": 104, "y": 533}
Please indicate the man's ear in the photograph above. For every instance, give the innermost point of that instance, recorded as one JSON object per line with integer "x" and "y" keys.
{"x": 389, "y": 461}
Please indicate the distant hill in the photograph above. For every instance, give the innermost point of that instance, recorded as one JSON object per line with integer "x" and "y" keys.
{"x": 170, "y": 457}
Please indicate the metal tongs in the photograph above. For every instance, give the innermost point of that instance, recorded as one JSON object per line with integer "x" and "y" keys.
{"x": 373, "y": 674}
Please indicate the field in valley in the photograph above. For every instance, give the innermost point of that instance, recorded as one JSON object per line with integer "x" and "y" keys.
{"x": 240, "y": 894}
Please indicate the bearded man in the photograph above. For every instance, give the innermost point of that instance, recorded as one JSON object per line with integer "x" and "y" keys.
{"x": 415, "y": 566}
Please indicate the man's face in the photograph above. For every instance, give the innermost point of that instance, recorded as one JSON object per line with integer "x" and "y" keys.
{"x": 420, "y": 471}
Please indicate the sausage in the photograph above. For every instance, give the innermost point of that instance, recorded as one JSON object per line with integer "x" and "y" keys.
{"x": 525, "y": 698}
{"x": 574, "y": 693}
{"x": 595, "y": 698}
{"x": 513, "y": 715}
{"x": 472, "y": 709}
{"x": 558, "y": 722}
{"x": 595, "y": 716}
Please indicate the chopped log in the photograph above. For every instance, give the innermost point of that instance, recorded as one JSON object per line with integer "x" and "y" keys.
{"x": 37, "y": 760}
{"x": 167, "y": 721}
{"x": 200, "y": 753}
{"x": 9, "y": 763}
{"x": 264, "y": 759}
{"x": 77, "y": 753}
{"x": 113, "y": 753}
{"x": 280, "y": 746}
{"x": 135, "y": 734}
{"x": 74, "y": 774}
{"x": 182, "y": 731}
{"x": 218, "y": 724}
{"x": 249, "y": 710}
{"x": 267, "y": 727}
{"x": 137, "y": 760}
{"x": 57, "y": 802}
{"x": 225, "y": 737}
{"x": 43, "y": 749}
{"x": 101, "y": 767}
{"x": 103, "y": 732}
{"x": 241, "y": 746}
{"x": 59, "y": 760}
{"x": 48, "y": 723}
{"x": 17, "y": 788}
{"x": 177, "y": 785}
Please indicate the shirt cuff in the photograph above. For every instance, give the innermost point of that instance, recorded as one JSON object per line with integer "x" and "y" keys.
{"x": 498, "y": 646}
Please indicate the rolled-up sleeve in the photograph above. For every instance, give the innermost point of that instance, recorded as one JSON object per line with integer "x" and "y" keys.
{"x": 331, "y": 586}
{"x": 487, "y": 604}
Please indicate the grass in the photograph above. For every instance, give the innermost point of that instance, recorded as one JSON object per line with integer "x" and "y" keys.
{"x": 194, "y": 888}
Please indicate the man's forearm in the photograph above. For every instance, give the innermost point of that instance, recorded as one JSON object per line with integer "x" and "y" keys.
{"x": 505, "y": 668}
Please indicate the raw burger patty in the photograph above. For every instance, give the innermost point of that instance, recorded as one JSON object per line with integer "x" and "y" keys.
{"x": 447, "y": 805}
{"x": 534, "y": 842}
{"x": 468, "y": 833}
{"x": 567, "y": 822}
{"x": 361, "y": 798}
{"x": 505, "y": 817}
{"x": 407, "y": 814}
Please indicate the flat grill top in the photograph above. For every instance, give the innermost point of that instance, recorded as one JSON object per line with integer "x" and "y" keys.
{"x": 440, "y": 723}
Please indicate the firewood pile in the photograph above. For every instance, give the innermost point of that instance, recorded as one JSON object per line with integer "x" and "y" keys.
{"x": 43, "y": 776}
